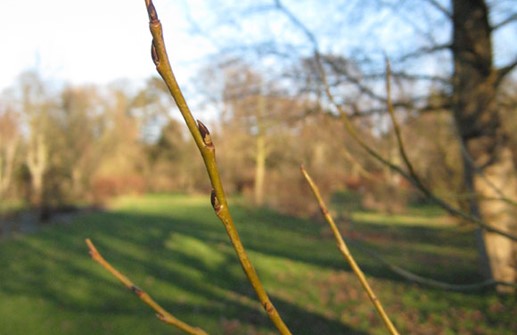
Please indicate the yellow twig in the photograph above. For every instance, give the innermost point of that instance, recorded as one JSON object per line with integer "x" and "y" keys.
{"x": 348, "y": 256}
{"x": 206, "y": 147}
{"x": 161, "y": 313}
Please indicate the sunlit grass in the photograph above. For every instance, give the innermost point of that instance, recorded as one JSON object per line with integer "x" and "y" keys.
{"x": 7, "y": 206}
{"x": 174, "y": 247}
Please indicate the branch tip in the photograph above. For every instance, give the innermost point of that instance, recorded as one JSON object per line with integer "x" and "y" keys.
{"x": 151, "y": 11}
{"x": 91, "y": 249}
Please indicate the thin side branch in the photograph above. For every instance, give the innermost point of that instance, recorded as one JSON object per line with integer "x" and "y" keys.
{"x": 341, "y": 245}
{"x": 440, "y": 8}
{"x": 206, "y": 147}
{"x": 161, "y": 313}
{"x": 500, "y": 194}
{"x": 417, "y": 279}
{"x": 396, "y": 127}
{"x": 504, "y": 71}
{"x": 425, "y": 51}
{"x": 504, "y": 22}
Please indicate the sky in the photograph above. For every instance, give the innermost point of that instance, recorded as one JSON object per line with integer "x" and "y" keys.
{"x": 93, "y": 41}
{"x": 100, "y": 41}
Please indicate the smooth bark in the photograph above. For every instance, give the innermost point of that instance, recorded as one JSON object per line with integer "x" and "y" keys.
{"x": 489, "y": 173}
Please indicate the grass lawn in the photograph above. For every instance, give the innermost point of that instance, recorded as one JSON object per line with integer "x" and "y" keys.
{"x": 174, "y": 247}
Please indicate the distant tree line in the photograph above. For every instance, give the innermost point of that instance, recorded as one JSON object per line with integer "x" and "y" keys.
{"x": 63, "y": 145}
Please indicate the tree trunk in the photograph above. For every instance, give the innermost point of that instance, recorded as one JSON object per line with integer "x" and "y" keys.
{"x": 37, "y": 164}
{"x": 261, "y": 153}
{"x": 260, "y": 170}
{"x": 7, "y": 165}
{"x": 489, "y": 169}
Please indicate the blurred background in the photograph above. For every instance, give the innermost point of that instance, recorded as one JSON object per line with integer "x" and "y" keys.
{"x": 84, "y": 120}
{"x": 84, "y": 117}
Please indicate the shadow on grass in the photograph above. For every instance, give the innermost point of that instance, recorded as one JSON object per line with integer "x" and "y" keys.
{"x": 440, "y": 253}
{"x": 177, "y": 250}
{"x": 183, "y": 259}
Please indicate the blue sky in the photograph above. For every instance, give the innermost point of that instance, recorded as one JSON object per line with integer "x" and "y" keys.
{"x": 99, "y": 41}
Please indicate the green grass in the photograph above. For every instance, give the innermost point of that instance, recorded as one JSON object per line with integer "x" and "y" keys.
{"x": 175, "y": 248}
{"x": 9, "y": 206}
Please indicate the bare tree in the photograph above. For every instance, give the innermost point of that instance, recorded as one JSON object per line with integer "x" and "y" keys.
{"x": 460, "y": 34}
{"x": 489, "y": 169}
{"x": 9, "y": 144}
{"x": 37, "y": 105}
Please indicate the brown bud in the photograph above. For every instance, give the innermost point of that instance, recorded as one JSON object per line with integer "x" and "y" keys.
{"x": 151, "y": 11}
{"x": 154, "y": 54}
{"x": 268, "y": 307}
{"x": 215, "y": 203}
{"x": 136, "y": 290}
{"x": 205, "y": 134}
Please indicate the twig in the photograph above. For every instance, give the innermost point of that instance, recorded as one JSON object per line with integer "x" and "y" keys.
{"x": 429, "y": 282}
{"x": 396, "y": 127}
{"x": 500, "y": 194}
{"x": 348, "y": 256}
{"x": 206, "y": 147}
{"x": 161, "y": 313}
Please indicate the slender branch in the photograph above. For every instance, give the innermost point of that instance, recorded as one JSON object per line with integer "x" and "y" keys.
{"x": 280, "y": 6}
{"x": 440, "y": 8}
{"x": 206, "y": 147}
{"x": 161, "y": 313}
{"x": 425, "y": 51}
{"x": 413, "y": 277}
{"x": 504, "y": 22}
{"x": 348, "y": 256}
{"x": 396, "y": 127}
{"x": 500, "y": 194}
{"x": 502, "y": 72}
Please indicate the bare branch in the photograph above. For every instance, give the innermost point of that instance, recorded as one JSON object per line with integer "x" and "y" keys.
{"x": 280, "y": 6}
{"x": 416, "y": 76}
{"x": 440, "y": 8}
{"x": 424, "y": 51}
{"x": 502, "y": 72}
{"x": 413, "y": 277}
{"x": 161, "y": 313}
{"x": 341, "y": 245}
{"x": 206, "y": 148}
{"x": 398, "y": 135}
{"x": 504, "y": 22}
{"x": 500, "y": 194}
